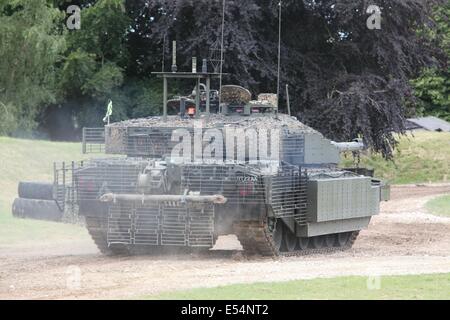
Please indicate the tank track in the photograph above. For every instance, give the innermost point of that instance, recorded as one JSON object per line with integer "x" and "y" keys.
{"x": 256, "y": 238}
{"x": 98, "y": 230}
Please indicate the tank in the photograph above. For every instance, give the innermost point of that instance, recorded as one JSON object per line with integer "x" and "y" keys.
{"x": 182, "y": 179}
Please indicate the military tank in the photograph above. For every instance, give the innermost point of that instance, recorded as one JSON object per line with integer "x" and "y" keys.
{"x": 181, "y": 180}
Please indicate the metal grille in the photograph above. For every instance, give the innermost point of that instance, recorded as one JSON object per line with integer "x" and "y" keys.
{"x": 284, "y": 190}
{"x": 201, "y": 226}
{"x": 64, "y": 185}
{"x": 281, "y": 186}
{"x": 147, "y": 225}
{"x": 153, "y": 225}
{"x": 120, "y": 224}
{"x": 173, "y": 226}
{"x": 239, "y": 184}
{"x": 150, "y": 142}
{"x": 293, "y": 149}
{"x": 287, "y": 194}
{"x": 93, "y": 140}
{"x": 98, "y": 177}
{"x": 157, "y": 143}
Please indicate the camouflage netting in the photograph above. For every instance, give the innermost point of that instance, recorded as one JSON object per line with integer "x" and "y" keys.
{"x": 278, "y": 121}
{"x": 175, "y": 103}
{"x": 115, "y": 139}
{"x": 231, "y": 94}
{"x": 269, "y": 98}
{"x": 117, "y": 133}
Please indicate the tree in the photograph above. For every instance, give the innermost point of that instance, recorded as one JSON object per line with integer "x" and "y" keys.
{"x": 433, "y": 87}
{"x": 30, "y": 48}
{"x": 93, "y": 69}
{"x": 345, "y": 79}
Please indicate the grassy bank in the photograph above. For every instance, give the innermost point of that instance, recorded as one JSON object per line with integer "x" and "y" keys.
{"x": 435, "y": 287}
{"x": 27, "y": 160}
{"x": 439, "y": 206}
{"x": 422, "y": 158}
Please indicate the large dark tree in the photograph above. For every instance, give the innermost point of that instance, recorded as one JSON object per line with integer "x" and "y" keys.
{"x": 345, "y": 79}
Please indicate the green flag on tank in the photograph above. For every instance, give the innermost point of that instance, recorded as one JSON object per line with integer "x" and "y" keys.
{"x": 109, "y": 112}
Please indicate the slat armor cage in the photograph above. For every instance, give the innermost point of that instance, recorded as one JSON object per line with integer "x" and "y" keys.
{"x": 279, "y": 184}
{"x": 161, "y": 224}
{"x": 181, "y": 224}
{"x": 157, "y": 142}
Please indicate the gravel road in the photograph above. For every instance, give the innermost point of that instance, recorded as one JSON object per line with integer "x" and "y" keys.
{"x": 403, "y": 239}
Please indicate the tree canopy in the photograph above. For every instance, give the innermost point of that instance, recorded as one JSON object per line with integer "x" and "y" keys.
{"x": 345, "y": 79}
{"x": 433, "y": 87}
{"x": 31, "y": 46}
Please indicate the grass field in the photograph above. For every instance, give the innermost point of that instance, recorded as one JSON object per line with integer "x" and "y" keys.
{"x": 440, "y": 206}
{"x": 26, "y": 160}
{"x": 422, "y": 158}
{"x": 434, "y": 287}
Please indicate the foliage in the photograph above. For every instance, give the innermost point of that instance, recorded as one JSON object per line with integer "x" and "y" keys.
{"x": 7, "y": 118}
{"x": 419, "y": 158}
{"x": 433, "y": 87}
{"x": 30, "y": 48}
{"x": 345, "y": 80}
{"x": 103, "y": 82}
{"x": 103, "y": 31}
{"x": 78, "y": 67}
{"x": 93, "y": 70}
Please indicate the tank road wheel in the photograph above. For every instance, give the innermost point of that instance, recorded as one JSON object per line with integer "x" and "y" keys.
{"x": 342, "y": 239}
{"x": 318, "y": 242}
{"x": 330, "y": 240}
{"x": 276, "y": 228}
{"x": 303, "y": 243}
{"x": 290, "y": 240}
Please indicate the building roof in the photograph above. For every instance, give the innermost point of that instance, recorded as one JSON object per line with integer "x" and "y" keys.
{"x": 429, "y": 123}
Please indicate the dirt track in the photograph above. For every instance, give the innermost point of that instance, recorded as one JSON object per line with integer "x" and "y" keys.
{"x": 402, "y": 240}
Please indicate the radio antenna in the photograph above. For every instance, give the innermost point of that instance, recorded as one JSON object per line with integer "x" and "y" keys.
{"x": 222, "y": 51}
{"x": 279, "y": 54}
{"x": 163, "y": 67}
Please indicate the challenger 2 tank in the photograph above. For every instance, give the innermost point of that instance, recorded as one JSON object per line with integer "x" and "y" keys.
{"x": 182, "y": 180}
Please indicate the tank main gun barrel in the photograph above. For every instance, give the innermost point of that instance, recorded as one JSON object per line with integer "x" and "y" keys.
{"x": 110, "y": 197}
{"x": 354, "y": 146}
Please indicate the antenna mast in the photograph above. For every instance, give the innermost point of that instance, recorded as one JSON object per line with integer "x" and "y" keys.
{"x": 221, "y": 51}
{"x": 279, "y": 54}
{"x": 163, "y": 67}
